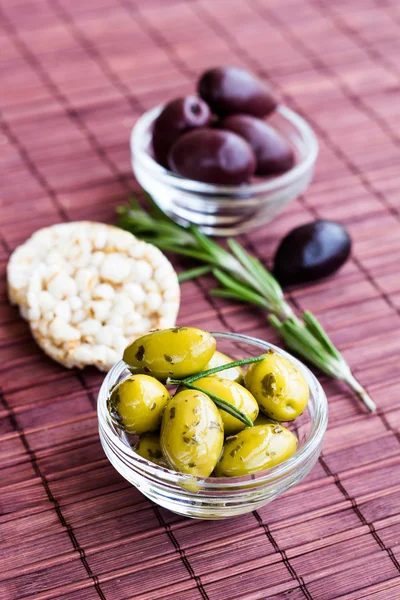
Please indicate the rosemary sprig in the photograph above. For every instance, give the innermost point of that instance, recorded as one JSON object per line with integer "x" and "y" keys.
{"x": 214, "y": 370}
{"x": 220, "y": 402}
{"x": 242, "y": 277}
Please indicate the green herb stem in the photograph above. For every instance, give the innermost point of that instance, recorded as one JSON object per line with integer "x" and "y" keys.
{"x": 314, "y": 349}
{"x": 222, "y": 404}
{"x": 244, "y": 278}
{"x": 193, "y": 273}
{"x": 360, "y": 391}
{"x": 214, "y": 370}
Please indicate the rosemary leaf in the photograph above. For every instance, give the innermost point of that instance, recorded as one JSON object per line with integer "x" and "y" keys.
{"x": 243, "y": 278}
{"x": 220, "y": 293}
{"x": 219, "y": 255}
{"x": 193, "y": 273}
{"x": 316, "y": 329}
{"x": 197, "y": 254}
{"x": 241, "y": 291}
{"x": 263, "y": 281}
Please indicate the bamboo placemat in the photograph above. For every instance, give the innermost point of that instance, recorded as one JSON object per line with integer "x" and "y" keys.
{"x": 75, "y": 77}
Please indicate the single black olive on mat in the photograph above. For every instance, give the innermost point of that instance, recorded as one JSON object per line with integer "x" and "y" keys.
{"x": 311, "y": 251}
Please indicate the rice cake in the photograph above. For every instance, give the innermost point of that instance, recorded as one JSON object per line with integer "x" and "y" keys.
{"x": 89, "y": 289}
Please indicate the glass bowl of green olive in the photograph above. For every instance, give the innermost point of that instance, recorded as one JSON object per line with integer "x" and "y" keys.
{"x": 203, "y": 439}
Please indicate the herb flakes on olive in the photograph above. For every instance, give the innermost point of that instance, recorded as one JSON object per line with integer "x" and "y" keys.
{"x": 177, "y": 352}
{"x": 192, "y": 433}
{"x": 149, "y": 447}
{"x": 235, "y": 394}
{"x": 278, "y": 386}
{"x": 137, "y": 404}
{"x": 256, "y": 449}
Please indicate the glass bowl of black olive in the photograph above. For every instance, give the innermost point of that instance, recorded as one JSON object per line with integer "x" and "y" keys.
{"x": 228, "y": 159}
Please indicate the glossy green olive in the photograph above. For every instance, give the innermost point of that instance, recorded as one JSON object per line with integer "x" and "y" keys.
{"x": 255, "y": 449}
{"x": 149, "y": 447}
{"x": 138, "y": 403}
{"x": 192, "y": 433}
{"x": 177, "y": 352}
{"x": 278, "y": 386}
{"x": 217, "y": 360}
{"x": 235, "y": 394}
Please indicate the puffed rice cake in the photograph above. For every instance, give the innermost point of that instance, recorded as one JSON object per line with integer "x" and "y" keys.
{"x": 89, "y": 289}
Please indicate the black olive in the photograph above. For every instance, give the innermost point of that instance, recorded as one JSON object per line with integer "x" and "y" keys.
{"x": 273, "y": 153}
{"x": 311, "y": 251}
{"x": 178, "y": 117}
{"x": 231, "y": 90}
{"x": 213, "y": 156}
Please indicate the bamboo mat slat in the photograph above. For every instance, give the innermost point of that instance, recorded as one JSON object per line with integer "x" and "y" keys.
{"x": 75, "y": 78}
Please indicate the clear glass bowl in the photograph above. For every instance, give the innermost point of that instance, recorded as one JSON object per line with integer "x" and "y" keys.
{"x": 225, "y": 209}
{"x": 217, "y": 498}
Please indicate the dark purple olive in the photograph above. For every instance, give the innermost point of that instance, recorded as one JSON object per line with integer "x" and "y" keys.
{"x": 232, "y": 90}
{"x": 212, "y": 156}
{"x": 178, "y": 117}
{"x": 273, "y": 153}
{"x": 311, "y": 251}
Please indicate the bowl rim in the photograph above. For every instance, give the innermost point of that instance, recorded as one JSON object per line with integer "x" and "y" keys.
{"x": 141, "y": 129}
{"x": 272, "y": 475}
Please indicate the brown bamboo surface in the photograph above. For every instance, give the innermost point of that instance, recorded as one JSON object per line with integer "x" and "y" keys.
{"x": 75, "y": 75}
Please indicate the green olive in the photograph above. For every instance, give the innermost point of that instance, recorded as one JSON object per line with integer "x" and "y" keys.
{"x": 149, "y": 447}
{"x": 278, "y": 386}
{"x": 235, "y": 394}
{"x": 138, "y": 403}
{"x": 255, "y": 449}
{"x": 177, "y": 352}
{"x": 192, "y": 433}
{"x": 264, "y": 420}
{"x": 217, "y": 360}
